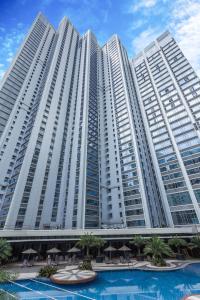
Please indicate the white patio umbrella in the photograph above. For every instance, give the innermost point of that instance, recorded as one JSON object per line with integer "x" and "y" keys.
{"x": 124, "y": 249}
{"x": 29, "y": 252}
{"x": 73, "y": 250}
{"x": 53, "y": 251}
{"x": 110, "y": 249}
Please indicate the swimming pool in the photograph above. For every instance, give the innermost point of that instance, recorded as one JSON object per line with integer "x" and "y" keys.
{"x": 113, "y": 285}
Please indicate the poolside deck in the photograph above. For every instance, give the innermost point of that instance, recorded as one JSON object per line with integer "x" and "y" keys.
{"x": 192, "y": 297}
{"x": 32, "y": 272}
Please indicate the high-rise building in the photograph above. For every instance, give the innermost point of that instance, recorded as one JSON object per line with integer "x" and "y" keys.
{"x": 13, "y": 83}
{"x": 92, "y": 140}
{"x": 128, "y": 193}
{"x": 169, "y": 95}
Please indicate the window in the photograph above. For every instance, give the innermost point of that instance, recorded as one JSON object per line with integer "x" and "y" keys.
{"x": 184, "y": 217}
{"x": 197, "y": 194}
{"x": 179, "y": 199}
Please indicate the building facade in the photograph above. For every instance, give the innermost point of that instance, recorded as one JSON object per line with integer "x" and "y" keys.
{"x": 169, "y": 94}
{"x": 90, "y": 139}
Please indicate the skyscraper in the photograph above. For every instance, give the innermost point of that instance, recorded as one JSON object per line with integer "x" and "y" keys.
{"x": 168, "y": 91}
{"x": 93, "y": 140}
{"x": 14, "y": 80}
{"x": 125, "y": 198}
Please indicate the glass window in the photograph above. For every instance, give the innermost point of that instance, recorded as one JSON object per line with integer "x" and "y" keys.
{"x": 190, "y": 152}
{"x": 195, "y": 181}
{"x": 136, "y": 223}
{"x": 134, "y": 212}
{"x": 184, "y": 217}
{"x": 174, "y": 185}
{"x": 179, "y": 199}
{"x": 197, "y": 194}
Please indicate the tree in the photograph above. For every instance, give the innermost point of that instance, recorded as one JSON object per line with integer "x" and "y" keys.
{"x": 157, "y": 248}
{"x": 139, "y": 242}
{"x": 177, "y": 243}
{"x": 87, "y": 241}
{"x": 6, "y": 276}
{"x": 5, "y": 250}
{"x": 4, "y": 295}
{"x": 99, "y": 243}
{"x": 195, "y": 242}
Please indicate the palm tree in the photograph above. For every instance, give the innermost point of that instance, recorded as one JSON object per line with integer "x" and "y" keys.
{"x": 157, "y": 248}
{"x": 139, "y": 242}
{"x": 87, "y": 241}
{"x": 5, "y": 250}
{"x": 177, "y": 243}
{"x": 195, "y": 242}
{"x": 99, "y": 243}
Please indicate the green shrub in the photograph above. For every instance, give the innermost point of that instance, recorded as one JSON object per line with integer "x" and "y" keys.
{"x": 47, "y": 271}
{"x": 5, "y": 296}
{"x": 177, "y": 243}
{"x": 159, "y": 261}
{"x": 6, "y": 276}
{"x": 5, "y": 250}
{"x": 86, "y": 265}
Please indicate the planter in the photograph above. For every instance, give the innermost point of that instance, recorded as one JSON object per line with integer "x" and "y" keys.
{"x": 99, "y": 259}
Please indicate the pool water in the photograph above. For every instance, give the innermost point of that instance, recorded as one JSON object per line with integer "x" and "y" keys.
{"x": 112, "y": 285}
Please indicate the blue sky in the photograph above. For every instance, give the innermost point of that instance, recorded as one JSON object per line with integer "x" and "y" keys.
{"x": 137, "y": 22}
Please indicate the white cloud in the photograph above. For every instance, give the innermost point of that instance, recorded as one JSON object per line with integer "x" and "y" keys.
{"x": 185, "y": 26}
{"x": 145, "y": 38}
{"x": 2, "y": 72}
{"x": 105, "y": 16}
{"x": 137, "y": 24}
{"x": 20, "y": 25}
{"x": 10, "y": 41}
{"x": 9, "y": 59}
{"x": 183, "y": 21}
{"x": 142, "y": 4}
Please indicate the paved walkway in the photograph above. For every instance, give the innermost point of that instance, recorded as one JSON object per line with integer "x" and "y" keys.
{"x": 144, "y": 265}
{"x": 192, "y": 297}
{"x": 32, "y": 272}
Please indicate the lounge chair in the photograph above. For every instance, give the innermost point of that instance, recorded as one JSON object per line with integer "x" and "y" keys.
{"x": 48, "y": 261}
{"x": 69, "y": 261}
{"x": 26, "y": 263}
{"x": 76, "y": 261}
{"x": 115, "y": 261}
{"x": 122, "y": 260}
{"x": 107, "y": 260}
{"x": 66, "y": 257}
